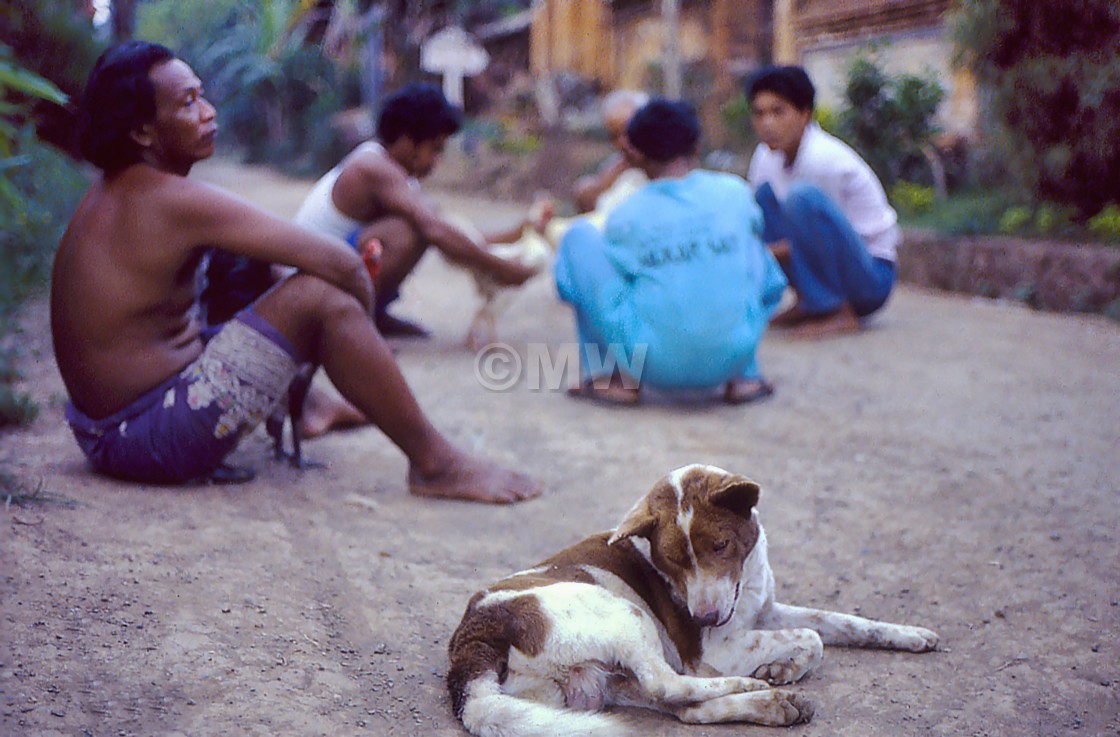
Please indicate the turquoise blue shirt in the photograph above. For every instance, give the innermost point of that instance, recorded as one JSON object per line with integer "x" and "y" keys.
{"x": 698, "y": 283}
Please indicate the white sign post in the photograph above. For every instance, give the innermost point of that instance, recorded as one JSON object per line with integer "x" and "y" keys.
{"x": 454, "y": 54}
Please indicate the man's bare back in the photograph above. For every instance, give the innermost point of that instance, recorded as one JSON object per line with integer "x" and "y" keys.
{"x": 123, "y": 304}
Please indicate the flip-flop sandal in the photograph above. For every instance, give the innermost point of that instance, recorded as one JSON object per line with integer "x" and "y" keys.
{"x": 587, "y": 390}
{"x": 229, "y": 474}
{"x": 761, "y": 390}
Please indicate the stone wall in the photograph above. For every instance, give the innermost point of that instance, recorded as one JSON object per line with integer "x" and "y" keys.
{"x": 1048, "y": 275}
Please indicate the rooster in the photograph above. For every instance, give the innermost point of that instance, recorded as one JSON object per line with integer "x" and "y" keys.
{"x": 533, "y": 249}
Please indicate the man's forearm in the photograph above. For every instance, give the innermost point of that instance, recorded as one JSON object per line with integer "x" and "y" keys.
{"x": 588, "y": 189}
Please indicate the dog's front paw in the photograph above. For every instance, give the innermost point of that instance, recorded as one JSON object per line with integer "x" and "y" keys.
{"x": 786, "y": 708}
{"x": 747, "y": 685}
{"x": 779, "y": 673}
{"x": 922, "y": 640}
{"x": 798, "y": 707}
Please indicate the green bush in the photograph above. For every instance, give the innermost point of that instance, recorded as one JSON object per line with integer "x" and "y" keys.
{"x": 1014, "y": 219}
{"x": 1106, "y": 224}
{"x": 48, "y": 187}
{"x": 39, "y": 188}
{"x": 275, "y": 90}
{"x": 1049, "y": 72}
{"x": 913, "y": 199}
{"x": 969, "y": 212}
{"x": 827, "y": 118}
{"x": 889, "y": 119}
{"x": 736, "y": 117}
{"x": 54, "y": 41}
{"x": 187, "y": 28}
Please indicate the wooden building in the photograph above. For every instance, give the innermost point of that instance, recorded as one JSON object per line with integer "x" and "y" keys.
{"x": 622, "y": 43}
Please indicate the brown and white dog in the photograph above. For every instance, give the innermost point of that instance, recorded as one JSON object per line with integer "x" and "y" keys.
{"x": 674, "y": 611}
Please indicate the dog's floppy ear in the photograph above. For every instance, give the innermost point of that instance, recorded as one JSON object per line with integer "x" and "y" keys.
{"x": 736, "y": 494}
{"x": 638, "y": 522}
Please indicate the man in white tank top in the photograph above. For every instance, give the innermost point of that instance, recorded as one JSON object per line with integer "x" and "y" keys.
{"x": 375, "y": 193}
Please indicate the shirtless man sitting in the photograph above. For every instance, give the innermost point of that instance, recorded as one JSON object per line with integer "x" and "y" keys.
{"x": 154, "y": 397}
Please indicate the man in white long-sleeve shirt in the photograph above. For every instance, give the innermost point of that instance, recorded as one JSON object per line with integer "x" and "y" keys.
{"x": 826, "y": 215}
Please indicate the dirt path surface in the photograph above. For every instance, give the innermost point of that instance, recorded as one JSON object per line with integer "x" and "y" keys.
{"x": 956, "y": 466}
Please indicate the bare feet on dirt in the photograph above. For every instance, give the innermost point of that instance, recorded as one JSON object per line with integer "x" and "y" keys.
{"x": 842, "y": 322}
{"x": 474, "y": 480}
{"x": 745, "y": 391}
{"x": 323, "y": 412}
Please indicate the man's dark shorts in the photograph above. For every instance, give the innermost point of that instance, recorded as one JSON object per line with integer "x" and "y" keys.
{"x": 182, "y": 429}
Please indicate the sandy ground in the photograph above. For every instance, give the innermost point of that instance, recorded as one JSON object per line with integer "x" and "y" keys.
{"x": 954, "y": 466}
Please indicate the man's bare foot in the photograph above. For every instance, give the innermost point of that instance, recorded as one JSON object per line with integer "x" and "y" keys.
{"x": 745, "y": 391}
{"x": 615, "y": 390}
{"x": 841, "y": 322}
{"x": 474, "y": 480}
{"x": 323, "y": 412}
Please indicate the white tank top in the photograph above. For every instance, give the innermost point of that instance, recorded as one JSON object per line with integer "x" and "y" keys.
{"x": 318, "y": 211}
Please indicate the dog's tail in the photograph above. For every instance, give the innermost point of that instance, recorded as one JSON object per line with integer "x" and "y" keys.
{"x": 487, "y": 712}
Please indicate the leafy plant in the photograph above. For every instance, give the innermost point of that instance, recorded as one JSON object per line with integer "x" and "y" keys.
{"x": 891, "y": 121}
{"x": 1014, "y": 219}
{"x": 827, "y": 118}
{"x": 1049, "y": 71}
{"x": 38, "y": 188}
{"x": 52, "y": 41}
{"x": 913, "y": 199}
{"x": 274, "y": 89}
{"x": 1106, "y": 224}
{"x": 736, "y": 117}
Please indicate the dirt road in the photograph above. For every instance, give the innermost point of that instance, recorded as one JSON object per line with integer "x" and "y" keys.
{"x": 955, "y": 466}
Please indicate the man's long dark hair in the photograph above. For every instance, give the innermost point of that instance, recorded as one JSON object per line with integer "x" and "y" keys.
{"x": 118, "y": 99}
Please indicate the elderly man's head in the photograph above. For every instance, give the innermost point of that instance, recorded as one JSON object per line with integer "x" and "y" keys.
{"x": 618, "y": 108}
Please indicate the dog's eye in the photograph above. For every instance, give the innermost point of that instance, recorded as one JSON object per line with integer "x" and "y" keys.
{"x": 720, "y": 545}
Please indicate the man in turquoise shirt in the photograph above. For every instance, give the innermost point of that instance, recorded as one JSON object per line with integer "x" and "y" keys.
{"x": 677, "y": 292}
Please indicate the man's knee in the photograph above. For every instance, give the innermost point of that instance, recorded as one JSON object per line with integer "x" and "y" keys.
{"x": 303, "y": 294}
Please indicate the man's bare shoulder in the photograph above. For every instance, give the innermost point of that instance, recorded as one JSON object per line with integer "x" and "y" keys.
{"x": 372, "y": 161}
{"x": 156, "y": 188}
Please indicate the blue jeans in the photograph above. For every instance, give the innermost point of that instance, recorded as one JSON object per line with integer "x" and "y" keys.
{"x": 829, "y": 264}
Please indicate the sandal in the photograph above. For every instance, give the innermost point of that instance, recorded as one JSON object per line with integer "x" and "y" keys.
{"x": 229, "y": 474}
{"x": 745, "y": 391}
{"x": 613, "y": 394}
